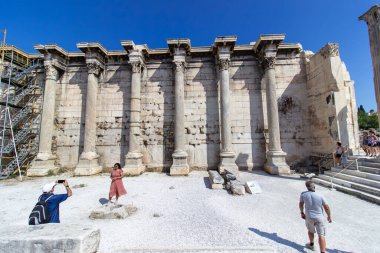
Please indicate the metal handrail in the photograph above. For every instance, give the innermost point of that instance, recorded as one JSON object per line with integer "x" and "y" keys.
{"x": 348, "y": 166}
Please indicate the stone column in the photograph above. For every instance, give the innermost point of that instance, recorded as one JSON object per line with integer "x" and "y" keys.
{"x": 372, "y": 18}
{"x": 88, "y": 161}
{"x": 276, "y": 163}
{"x": 133, "y": 160}
{"x": 180, "y": 166}
{"x": 45, "y": 160}
{"x": 227, "y": 155}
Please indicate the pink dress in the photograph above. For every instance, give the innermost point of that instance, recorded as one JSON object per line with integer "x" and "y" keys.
{"x": 117, "y": 188}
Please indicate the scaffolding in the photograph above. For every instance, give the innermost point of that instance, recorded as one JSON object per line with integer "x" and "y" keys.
{"x": 20, "y": 106}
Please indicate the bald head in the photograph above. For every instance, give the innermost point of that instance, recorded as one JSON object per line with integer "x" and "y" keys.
{"x": 310, "y": 185}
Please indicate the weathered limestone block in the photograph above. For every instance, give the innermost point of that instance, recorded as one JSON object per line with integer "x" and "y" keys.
{"x": 68, "y": 238}
{"x": 237, "y": 187}
{"x": 215, "y": 179}
{"x": 252, "y": 187}
{"x": 113, "y": 211}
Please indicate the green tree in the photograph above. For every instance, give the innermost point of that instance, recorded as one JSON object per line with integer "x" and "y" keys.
{"x": 367, "y": 121}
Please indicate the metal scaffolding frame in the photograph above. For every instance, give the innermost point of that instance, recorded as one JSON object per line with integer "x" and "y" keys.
{"x": 20, "y": 103}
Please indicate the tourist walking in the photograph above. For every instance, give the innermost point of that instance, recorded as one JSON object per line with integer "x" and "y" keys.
{"x": 117, "y": 188}
{"x": 311, "y": 206}
{"x": 338, "y": 153}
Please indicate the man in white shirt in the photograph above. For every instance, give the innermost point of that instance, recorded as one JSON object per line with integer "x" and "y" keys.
{"x": 314, "y": 204}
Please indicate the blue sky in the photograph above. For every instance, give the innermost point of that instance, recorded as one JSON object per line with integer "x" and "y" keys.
{"x": 309, "y": 22}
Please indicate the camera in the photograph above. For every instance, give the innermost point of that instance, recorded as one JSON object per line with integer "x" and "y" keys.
{"x": 61, "y": 181}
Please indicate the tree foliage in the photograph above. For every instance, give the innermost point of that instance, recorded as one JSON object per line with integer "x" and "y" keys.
{"x": 367, "y": 121}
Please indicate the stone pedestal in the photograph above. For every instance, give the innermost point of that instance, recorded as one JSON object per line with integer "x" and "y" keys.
{"x": 180, "y": 166}
{"x": 276, "y": 163}
{"x": 40, "y": 168}
{"x": 133, "y": 164}
{"x": 88, "y": 165}
{"x": 227, "y": 162}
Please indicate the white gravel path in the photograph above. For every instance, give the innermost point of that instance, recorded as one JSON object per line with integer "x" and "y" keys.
{"x": 194, "y": 216}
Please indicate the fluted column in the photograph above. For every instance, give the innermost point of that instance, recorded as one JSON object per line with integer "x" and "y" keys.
{"x": 227, "y": 155}
{"x": 45, "y": 160}
{"x": 133, "y": 160}
{"x": 88, "y": 161}
{"x": 180, "y": 166}
{"x": 276, "y": 163}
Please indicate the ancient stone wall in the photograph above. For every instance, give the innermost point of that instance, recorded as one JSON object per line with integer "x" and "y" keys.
{"x": 331, "y": 102}
{"x": 311, "y": 97}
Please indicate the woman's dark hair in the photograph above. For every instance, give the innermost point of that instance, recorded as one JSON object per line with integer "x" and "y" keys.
{"x": 339, "y": 144}
{"x": 118, "y": 165}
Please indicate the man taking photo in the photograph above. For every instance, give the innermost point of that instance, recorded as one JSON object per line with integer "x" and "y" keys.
{"x": 53, "y": 200}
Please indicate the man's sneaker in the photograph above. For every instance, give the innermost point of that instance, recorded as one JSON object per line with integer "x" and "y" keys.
{"x": 309, "y": 246}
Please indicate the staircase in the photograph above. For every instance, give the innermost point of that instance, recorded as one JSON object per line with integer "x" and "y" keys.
{"x": 362, "y": 181}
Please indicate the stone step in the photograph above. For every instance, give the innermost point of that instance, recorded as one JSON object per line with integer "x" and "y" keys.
{"x": 355, "y": 179}
{"x": 262, "y": 249}
{"x": 358, "y": 173}
{"x": 357, "y": 193}
{"x": 371, "y": 170}
{"x": 353, "y": 185}
{"x": 370, "y": 163}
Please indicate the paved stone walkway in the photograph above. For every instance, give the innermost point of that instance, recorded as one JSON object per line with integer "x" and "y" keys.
{"x": 192, "y": 216}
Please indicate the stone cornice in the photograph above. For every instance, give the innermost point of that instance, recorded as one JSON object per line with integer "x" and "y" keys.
{"x": 269, "y": 39}
{"x": 372, "y": 16}
{"x": 94, "y": 52}
{"x": 180, "y": 43}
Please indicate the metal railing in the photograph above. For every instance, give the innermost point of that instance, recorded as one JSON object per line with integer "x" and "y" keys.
{"x": 344, "y": 168}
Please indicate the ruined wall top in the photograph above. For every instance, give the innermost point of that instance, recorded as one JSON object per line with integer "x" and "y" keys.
{"x": 372, "y": 16}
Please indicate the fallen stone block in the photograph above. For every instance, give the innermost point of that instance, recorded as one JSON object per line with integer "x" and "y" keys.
{"x": 237, "y": 188}
{"x": 230, "y": 177}
{"x": 68, "y": 238}
{"x": 215, "y": 177}
{"x": 113, "y": 211}
{"x": 253, "y": 187}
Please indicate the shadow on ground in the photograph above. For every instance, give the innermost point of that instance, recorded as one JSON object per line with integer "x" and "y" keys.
{"x": 274, "y": 237}
{"x": 103, "y": 201}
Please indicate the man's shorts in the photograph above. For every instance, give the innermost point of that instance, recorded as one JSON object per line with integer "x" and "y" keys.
{"x": 314, "y": 224}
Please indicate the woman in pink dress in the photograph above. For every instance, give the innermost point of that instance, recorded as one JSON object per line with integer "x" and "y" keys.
{"x": 117, "y": 188}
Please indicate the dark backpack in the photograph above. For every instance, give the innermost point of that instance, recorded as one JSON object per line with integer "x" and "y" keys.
{"x": 40, "y": 213}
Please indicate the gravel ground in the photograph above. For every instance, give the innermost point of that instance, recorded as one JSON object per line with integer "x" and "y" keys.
{"x": 192, "y": 216}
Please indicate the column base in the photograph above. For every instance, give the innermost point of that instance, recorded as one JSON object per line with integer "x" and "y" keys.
{"x": 227, "y": 162}
{"x": 180, "y": 166}
{"x": 88, "y": 165}
{"x": 40, "y": 168}
{"x": 133, "y": 164}
{"x": 276, "y": 163}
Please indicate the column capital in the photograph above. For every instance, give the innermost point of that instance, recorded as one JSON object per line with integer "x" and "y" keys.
{"x": 136, "y": 66}
{"x": 224, "y": 63}
{"x": 267, "y": 62}
{"x": 93, "y": 68}
{"x": 51, "y": 72}
{"x": 180, "y": 66}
